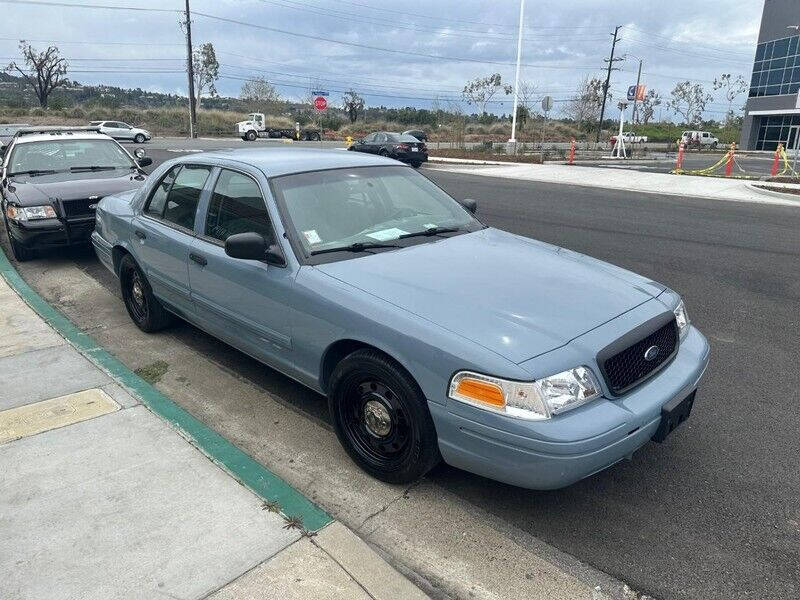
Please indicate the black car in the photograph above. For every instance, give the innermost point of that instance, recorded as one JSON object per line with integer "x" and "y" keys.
{"x": 51, "y": 181}
{"x": 417, "y": 133}
{"x": 399, "y": 146}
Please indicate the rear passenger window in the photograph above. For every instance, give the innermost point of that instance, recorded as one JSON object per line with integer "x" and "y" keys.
{"x": 155, "y": 207}
{"x": 237, "y": 207}
{"x": 185, "y": 194}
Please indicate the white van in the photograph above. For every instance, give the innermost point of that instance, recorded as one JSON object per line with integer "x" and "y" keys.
{"x": 699, "y": 139}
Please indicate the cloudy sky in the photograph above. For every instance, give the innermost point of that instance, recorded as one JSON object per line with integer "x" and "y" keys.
{"x": 394, "y": 53}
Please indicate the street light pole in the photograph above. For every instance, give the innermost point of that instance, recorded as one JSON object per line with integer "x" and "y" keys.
{"x": 516, "y": 79}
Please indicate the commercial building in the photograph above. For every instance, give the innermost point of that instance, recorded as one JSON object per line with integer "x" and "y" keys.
{"x": 772, "y": 113}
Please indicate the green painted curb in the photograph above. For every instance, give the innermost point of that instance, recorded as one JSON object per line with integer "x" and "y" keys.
{"x": 245, "y": 469}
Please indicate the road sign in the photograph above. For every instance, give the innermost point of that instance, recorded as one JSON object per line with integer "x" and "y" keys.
{"x": 547, "y": 103}
{"x": 320, "y": 103}
{"x": 318, "y": 93}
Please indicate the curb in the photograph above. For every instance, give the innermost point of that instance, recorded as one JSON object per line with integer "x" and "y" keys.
{"x": 247, "y": 471}
{"x": 754, "y": 187}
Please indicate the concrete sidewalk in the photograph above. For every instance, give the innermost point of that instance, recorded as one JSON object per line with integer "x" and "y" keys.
{"x": 625, "y": 179}
{"x": 101, "y": 498}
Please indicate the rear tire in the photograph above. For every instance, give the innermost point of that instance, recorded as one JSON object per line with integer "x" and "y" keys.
{"x": 381, "y": 418}
{"x": 383, "y": 153}
{"x": 139, "y": 139}
{"x": 143, "y": 307}
{"x": 416, "y": 164}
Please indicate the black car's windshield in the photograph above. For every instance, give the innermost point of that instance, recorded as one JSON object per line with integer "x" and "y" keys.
{"x": 65, "y": 155}
{"x": 342, "y": 207}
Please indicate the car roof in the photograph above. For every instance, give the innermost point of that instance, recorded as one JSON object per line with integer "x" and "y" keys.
{"x": 274, "y": 162}
{"x": 59, "y": 134}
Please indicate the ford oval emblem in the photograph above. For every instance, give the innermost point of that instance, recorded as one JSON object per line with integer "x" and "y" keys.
{"x": 651, "y": 353}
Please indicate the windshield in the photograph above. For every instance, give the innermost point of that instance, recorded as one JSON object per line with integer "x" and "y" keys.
{"x": 63, "y": 155}
{"x": 368, "y": 205}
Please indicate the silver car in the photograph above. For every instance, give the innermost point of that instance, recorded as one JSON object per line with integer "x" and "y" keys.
{"x": 122, "y": 131}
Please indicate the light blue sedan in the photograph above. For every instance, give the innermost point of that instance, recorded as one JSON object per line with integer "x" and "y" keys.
{"x": 433, "y": 336}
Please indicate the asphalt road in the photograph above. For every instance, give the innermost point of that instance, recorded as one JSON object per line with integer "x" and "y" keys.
{"x": 714, "y": 511}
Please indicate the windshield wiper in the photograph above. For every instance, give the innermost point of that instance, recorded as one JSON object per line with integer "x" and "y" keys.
{"x": 357, "y": 247}
{"x": 430, "y": 231}
{"x": 34, "y": 172}
{"x": 93, "y": 168}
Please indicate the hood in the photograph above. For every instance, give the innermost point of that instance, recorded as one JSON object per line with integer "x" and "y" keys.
{"x": 515, "y": 296}
{"x": 40, "y": 190}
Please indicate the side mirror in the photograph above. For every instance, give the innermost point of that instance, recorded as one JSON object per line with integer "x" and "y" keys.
{"x": 253, "y": 246}
{"x": 470, "y": 204}
{"x": 145, "y": 162}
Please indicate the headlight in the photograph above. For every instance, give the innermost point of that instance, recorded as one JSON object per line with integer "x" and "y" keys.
{"x": 682, "y": 317}
{"x": 533, "y": 400}
{"x": 30, "y": 213}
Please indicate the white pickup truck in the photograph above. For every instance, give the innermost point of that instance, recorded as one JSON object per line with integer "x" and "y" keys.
{"x": 699, "y": 139}
{"x": 630, "y": 137}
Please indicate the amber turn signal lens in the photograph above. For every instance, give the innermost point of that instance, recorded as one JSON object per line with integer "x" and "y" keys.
{"x": 11, "y": 212}
{"x": 481, "y": 391}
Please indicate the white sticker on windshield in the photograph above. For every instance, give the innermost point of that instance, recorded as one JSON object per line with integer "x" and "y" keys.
{"x": 387, "y": 234}
{"x": 312, "y": 236}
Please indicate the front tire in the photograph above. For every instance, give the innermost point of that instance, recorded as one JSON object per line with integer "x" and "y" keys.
{"x": 251, "y": 136}
{"x": 139, "y": 139}
{"x": 416, "y": 164}
{"x": 143, "y": 307}
{"x": 381, "y": 418}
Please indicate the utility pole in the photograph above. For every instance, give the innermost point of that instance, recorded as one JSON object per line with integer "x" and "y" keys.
{"x": 636, "y": 97}
{"x": 607, "y": 84}
{"x": 190, "y": 72}
{"x": 513, "y": 139}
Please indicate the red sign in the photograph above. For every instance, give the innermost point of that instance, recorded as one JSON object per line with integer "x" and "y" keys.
{"x": 320, "y": 103}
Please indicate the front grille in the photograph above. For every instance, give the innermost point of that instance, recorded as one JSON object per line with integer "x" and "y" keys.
{"x": 629, "y": 367}
{"x": 79, "y": 208}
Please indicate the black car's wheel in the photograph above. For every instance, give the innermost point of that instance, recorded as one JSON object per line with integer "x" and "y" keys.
{"x": 144, "y": 309}
{"x": 381, "y": 418}
{"x": 416, "y": 164}
{"x": 139, "y": 139}
{"x": 251, "y": 136}
{"x": 383, "y": 152}
{"x": 20, "y": 252}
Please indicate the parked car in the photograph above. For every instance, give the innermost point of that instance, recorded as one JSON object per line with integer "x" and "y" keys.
{"x": 51, "y": 181}
{"x": 432, "y": 335}
{"x": 122, "y": 131}
{"x": 417, "y": 133}
{"x": 699, "y": 139}
{"x": 399, "y": 146}
{"x": 630, "y": 138}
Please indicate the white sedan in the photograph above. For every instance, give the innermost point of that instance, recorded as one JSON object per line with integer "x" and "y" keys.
{"x": 122, "y": 131}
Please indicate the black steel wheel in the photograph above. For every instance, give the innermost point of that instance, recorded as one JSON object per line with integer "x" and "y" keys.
{"x": 381, "y": 418}
{"x": 145, "y": 310}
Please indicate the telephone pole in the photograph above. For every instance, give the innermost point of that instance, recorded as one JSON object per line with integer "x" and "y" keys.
{"x": 190, "y": 72}
{"x": 607, "y": 84}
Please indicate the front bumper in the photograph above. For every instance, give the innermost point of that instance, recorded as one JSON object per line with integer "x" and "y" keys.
{"x": 51, "y": 233}
{"x": 558, "y": 452}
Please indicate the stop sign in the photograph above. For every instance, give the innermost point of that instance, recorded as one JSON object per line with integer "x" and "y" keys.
{"x": 320, "y": 103}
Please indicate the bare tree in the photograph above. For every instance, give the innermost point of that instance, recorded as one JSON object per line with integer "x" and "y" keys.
{"x": 352, "y": 104}
{"x": 43, "y": 71}
{"x": 584, "y": 107}
{"x": 527, "y": 97}
{"x": 206, "y": 71}
{"x": 481, "y": 90}
{"x": 689, "y": 100}
{"x": 733, "y": 88}
{"x": 647, "y": 107}
{"x": 260, "y": 93}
